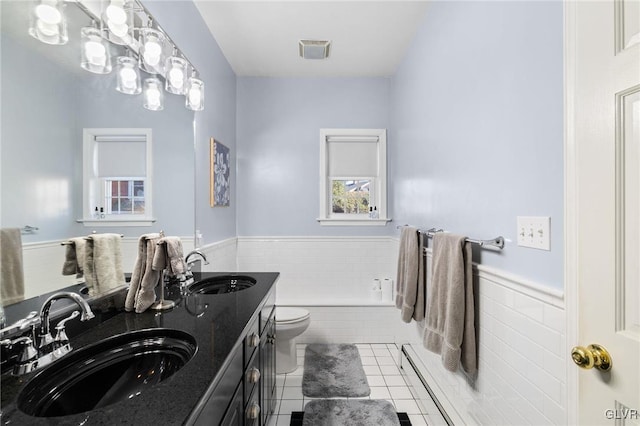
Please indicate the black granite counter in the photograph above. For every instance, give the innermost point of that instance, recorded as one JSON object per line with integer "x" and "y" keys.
{"x": 216, "y": 321}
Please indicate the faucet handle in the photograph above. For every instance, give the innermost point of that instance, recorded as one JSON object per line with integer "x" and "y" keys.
{"x": 29, "y": 321}
{"x": 61, "y": 333}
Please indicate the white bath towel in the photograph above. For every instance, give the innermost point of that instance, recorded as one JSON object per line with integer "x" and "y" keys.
{"x": 450, "y": 318}
{"x": 12, "y": 274}
{"x": 144, "y": 279}
{"x": 410, "y": 283}
{"x": 103, "y": 263}
{"x": 74, "y": 257}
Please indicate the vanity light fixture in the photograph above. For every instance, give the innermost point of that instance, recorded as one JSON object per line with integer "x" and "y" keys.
{"x": 194, "y": 96}
{"x": 151, "y": 53}
{"x": 96, "y": 57}
{"x": 176, "y": 74}
{"x": 153, "y": 94}
{"x": 128, "y": 76}
{"x": 147, "y": 49}
{"x": 48, "y": 23}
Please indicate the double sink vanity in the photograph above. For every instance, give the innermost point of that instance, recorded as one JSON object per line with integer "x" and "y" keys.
{"x": 209, "y": 360}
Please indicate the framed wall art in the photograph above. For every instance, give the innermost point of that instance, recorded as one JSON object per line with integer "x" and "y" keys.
{"x": 219, "y": 172}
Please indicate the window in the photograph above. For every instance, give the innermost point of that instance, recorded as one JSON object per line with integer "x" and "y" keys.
{"x": 117, "y": 177}
{"x": 353, "y": 177}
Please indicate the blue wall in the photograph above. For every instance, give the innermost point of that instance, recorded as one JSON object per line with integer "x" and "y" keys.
{"x": 279, "y": 122}
{"x": 182, "y": 20}
{"x": 476, "y": 128}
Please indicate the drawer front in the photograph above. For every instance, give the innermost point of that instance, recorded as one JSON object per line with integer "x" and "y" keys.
{"x": 218, "y": 402}
{"x": 268, "y": 309}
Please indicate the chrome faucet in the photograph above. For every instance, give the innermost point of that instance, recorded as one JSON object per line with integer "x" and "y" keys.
{"x": 195, "y": 253}
{"x": 48, "y": 348}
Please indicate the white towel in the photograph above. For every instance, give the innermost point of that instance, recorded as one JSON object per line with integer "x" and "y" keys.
{"x": 103, "y": 263}
{"x": 410, "y": 285}
{"x": 12, "y": 274}
{"x": 74, "y": 257}
{"x": 450, "y": 319}
{"x": 141, "y": 294}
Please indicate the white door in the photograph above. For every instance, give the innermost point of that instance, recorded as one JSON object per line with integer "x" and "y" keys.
{"x": 603, "y": 206}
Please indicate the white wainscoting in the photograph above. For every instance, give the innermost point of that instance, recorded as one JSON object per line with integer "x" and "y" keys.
{"x": 43, "y": 264}
{"x": 521, "y": 324}
{"x": 222, "y": 256}
{"x": 320, "y": 270}
{"x": 521, "y": 356}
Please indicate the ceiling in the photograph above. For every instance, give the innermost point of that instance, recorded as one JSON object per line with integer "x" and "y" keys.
{"x": 260, "y": 38}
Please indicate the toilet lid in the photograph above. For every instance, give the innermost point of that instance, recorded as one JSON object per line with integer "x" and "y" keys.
{"x": 285, "y": 314}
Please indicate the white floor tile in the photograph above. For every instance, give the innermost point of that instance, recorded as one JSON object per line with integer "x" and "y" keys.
{"x": 361, "y": 346}
{"x": 389, "y": 370}
{"x": 417, "y": 420}
{"x": 372, "y": 370}
{"x": 400, "y": 392}
{"x": 293, "y": 381}
{"x": 376, "y": 381}
{"x": 284, "y": 420}
{"x": 289, "y": 405}
{"x": 292, "y": 392}
{"x": 379, "y": 392}
{"x": 378, "y": 346}
{"x": 385, "y": 360}
{"x": 381, "y": 351}
{"x": 280, "y": 378}
{"x": 408, "y": 406}
{"x": 365, "y": 352}
{"x": 369, "y": 360}
{"x": 395, "y": 381}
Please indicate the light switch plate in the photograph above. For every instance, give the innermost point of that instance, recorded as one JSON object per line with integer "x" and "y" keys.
{"x": 534, "y": 232}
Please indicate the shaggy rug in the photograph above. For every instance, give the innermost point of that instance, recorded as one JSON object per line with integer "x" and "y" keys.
{"x": 333, "y": 371}
{"x": 352, "y": 412}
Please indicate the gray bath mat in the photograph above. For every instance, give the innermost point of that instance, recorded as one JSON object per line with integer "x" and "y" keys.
{"x": 352, "y": 412}
{"x": 333, "y": 371}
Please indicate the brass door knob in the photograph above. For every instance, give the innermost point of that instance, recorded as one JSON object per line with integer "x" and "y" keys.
{"x": 591, "y": 356}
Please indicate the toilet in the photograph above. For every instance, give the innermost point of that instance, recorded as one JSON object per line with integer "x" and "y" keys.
{"x": 290, "y": 323}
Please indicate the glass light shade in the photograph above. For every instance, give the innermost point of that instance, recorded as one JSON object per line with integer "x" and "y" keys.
{"x": 194, "y": 94}
{"x": 128, "y": 76}
{"x": 176, "y": 75}
{"x": 48, "y": 23}
{"x": 151, "y": 53}
{"x": 96, "y": 57}
{"x": 153, "y": 94}
{"x": 118, "y": 23}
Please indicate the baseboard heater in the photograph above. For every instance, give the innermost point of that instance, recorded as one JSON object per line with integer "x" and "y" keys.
{"x": 416, "y": 377}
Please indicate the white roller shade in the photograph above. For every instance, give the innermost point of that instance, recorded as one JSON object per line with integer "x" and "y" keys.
{"x": 121, "y": 157}
{"x": 352, "y": 157}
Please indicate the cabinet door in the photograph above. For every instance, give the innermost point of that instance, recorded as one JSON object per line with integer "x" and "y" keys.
{"x": 235, "y": 413}
{"x": 268, "y": 394}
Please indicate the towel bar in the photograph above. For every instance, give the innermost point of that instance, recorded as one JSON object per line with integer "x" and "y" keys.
{"x": 497, "y": 242}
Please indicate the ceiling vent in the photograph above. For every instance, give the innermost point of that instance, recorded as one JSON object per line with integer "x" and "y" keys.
{"x": 314, "y": 49}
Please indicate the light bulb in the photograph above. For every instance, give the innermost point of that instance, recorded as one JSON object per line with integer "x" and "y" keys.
{"x": 96, "y": 52}
{"x": 116, "y": 14}
{"x": 152, "y": 51}
{"x": 195, "y": 96}
{"x": 176, "y": 76}
{"x": 48, "y": 14}
{"x": 128, "y": 77}
{"x": 153, "y": 96}
{"x": 47, "y": 29}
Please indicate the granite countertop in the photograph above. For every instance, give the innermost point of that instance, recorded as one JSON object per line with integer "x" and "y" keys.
{"x": 216, "y": 328}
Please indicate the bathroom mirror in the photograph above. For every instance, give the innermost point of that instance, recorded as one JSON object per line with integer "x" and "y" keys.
{"x": 47, "y": 100}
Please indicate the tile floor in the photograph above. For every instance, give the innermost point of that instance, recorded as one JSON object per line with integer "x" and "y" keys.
{"x": 384, "y": 377}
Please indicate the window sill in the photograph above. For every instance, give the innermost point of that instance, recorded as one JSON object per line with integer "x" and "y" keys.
{"x": 117, "y": 222}
{"x": 353, "y": 222}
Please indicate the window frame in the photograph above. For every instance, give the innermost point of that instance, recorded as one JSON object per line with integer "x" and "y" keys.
{"x": 378, "y": 191}
{"x": 93, "y": 186}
